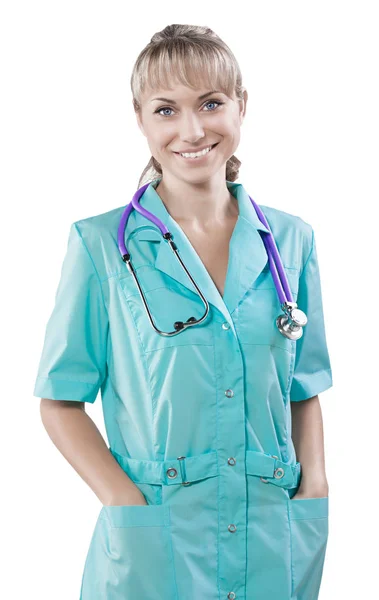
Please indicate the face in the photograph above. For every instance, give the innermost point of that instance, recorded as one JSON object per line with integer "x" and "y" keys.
{"x": 188, "y": 120}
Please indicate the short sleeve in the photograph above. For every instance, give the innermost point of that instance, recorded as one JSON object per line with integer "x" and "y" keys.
{"x": 73, "y": 361}
{"x": 312, "y": 370}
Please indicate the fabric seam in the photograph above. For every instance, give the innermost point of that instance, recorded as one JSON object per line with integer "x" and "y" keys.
{"x": 218, "y": 479}
{"x": 94, "y": 266}
{"x": 309, "y": 255}
{"x": 68, "y": 380}
{"x": 168, "y": 529}
{"x": 105, "y": 355}
{"x": 291, "y": 549}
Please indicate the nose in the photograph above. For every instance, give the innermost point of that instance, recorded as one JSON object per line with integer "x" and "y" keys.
{"x": 190, "y": 128}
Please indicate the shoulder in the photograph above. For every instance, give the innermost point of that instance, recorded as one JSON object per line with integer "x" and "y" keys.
{"x": 99, "y": 234}
{"x": 281, "y": 219}
{"x": 291, "y": 232}
{"x": 101, "y": 223}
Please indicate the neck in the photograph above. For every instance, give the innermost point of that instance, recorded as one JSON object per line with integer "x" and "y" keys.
{"x": 200, "y": 206}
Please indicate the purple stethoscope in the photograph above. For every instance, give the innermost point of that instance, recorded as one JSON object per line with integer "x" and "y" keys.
{"x": 290, "y": 324}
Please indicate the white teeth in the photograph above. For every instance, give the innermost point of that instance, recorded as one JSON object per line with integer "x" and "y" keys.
{"x": 195, "y": 154}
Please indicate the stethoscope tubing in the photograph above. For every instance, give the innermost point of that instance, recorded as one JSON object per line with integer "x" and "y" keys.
{"x": 290, "y": 324}
{"x": 275, "y": 262}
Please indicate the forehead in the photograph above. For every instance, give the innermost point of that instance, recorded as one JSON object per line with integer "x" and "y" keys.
{"x": 180, "y": 92}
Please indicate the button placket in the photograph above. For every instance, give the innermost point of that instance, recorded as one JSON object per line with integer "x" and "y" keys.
{"x": 230, "y": 449}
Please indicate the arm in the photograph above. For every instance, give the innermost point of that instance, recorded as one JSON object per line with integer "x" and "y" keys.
{"x": 308, "y": 439}
{"x": 78, "y": 439}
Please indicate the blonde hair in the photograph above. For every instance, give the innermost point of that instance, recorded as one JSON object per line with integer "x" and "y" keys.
{"x": 181, "y": 52}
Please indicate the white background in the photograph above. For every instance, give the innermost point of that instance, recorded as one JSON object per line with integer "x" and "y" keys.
{"x": 71, "y": 148}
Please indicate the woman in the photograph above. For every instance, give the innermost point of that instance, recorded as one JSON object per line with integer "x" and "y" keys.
{"x": 213, "y": 484}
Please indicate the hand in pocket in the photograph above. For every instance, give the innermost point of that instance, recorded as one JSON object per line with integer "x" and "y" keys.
{"x": 130, "y": 497}
{"x": 312, "y": 491}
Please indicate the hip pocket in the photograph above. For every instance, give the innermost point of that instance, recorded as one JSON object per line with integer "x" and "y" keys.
{"x": 130, "y": 555}
{"x": 309, "y": 527}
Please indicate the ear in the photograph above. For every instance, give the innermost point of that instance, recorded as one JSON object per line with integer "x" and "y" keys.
{"x": 139, "y": 122}
{"x": 243, "y": 105}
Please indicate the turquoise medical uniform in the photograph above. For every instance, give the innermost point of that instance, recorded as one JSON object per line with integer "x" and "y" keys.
{"x": 200, "y": 421}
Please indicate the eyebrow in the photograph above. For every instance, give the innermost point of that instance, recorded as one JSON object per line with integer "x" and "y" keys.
{"x": 199, "y": 98}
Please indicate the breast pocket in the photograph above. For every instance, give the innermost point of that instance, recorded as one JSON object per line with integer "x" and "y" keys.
{"x": 168, "y": 302}
{"x": 256, "y": 315}
{"x": 266, "y": 350}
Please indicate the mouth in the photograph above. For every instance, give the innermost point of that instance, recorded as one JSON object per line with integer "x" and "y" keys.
{"x": 202, "y": 155}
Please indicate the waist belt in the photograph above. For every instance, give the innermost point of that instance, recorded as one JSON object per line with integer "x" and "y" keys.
{"x": 185, "y": 470}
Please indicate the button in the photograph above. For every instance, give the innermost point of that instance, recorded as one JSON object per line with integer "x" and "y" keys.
{"x": 172, "y": 473}
{"x": 229, "y": 393}
{"x": 278, "y": 473}
{"x": 226, "y": 325}
{"x": 231, "y": 596}
{"x": 231, "y": 461}
{"x": 232, "y": 528}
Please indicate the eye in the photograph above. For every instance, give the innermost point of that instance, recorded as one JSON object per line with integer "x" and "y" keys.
{"x": 218, "y": 102}
{"x": 214, "y": 102}
{"x": 163, "y": 108}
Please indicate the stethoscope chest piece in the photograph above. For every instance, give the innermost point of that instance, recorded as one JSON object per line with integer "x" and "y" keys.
{"x": 292, "y": 322}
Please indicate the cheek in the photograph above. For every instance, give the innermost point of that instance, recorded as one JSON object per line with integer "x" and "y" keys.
{"x": 232, "y": 139}
{"x": 236, "y": 139}
{"x": 229, "y": 127}
{"x": 236, "y": 125}
{"x": 160, "y": 139}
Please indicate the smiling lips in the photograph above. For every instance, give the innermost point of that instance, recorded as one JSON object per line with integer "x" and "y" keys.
{"x": 198, "y": 154}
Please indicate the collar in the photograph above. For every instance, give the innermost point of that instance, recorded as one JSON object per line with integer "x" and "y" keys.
{"x": 247, "y": 253}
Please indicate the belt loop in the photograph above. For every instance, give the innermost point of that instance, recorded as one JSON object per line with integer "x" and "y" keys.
{"x": 276, "y": 458}
{"x": 183, "y": 470}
